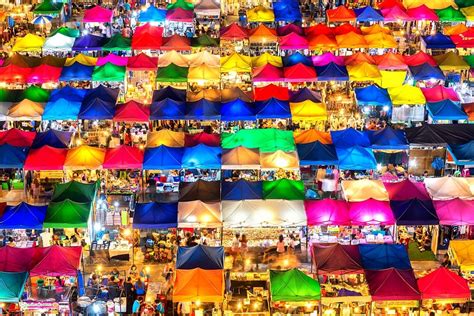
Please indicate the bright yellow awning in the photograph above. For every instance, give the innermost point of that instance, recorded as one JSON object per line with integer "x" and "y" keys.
{"x": 237, "y": 63}
{"x": 391, "y": 79}
{"x": 82, "y": 59}
{"x": 469, "y": 13}
{"x": 455, "y": 29}
{"x": 204, "y": 73}
{"x": 364, "y": 72}
{"x": 279, "y": 160}
{"x": 361, "y": 190}
{"x": 434, "y": 4}
{"x": 266, "y": 58}
{"x": 165, "y": 137}
{"x": 29, "y": 43}
{"x": 26, "y": 110}
{"x": 260, "y": 14}
{"x": 84, "y": 157}
{"x": 406, "y": 95}
{"x": 374, "y": 29}
{"x": 463, "y": 252}
{"x": 451, "y": 61}
{"x": 308, "y": 111}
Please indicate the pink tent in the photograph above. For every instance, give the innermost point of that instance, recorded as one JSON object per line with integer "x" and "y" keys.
{"x": 267, "y": 73}
{"x": 392, "y": 285}
{"x": 422, "y": 13}
{"x": 327, "y": 212}
{"x": 455, "y": 212}
{"x": 179, "y": 15}
{"x": 293, "y": 41}
{"x": 17, "y": 259}
{"x": 58, "y": 261}
{"x": 371, "y": 212}
{"x": 406, "y": 190}
{"x": 439, "y": 93}
{"x": 97, "y": 14}
{"x": 113, "y": 59}
{"x": 395, "y": 14}
{"x": 327, "y": 58}
{"x": 443, "y": 284}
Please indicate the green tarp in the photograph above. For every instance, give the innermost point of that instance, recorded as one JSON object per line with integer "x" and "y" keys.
{"x": 118, "y": 43}
{"x": 36, "y": 94}
{"x": 75, "y": 191}
{"x": 450, "y": 14}
{"x": 204, "y": 41}
{"x": 283, "y": 189}
{"x": 48, "y": 7}
{"x": 183, "y": 4}
{"x": 108, "y": 72}
{"x": 172, "y": 73}
{"x": 470, "y": 60}
{"x": 464, "y": 3}
{"x": 293, "y": 286}
{"x": 67, "y": 214}
{"x": 12, "y": 285}
{"x": 66, "y": 31}
{"x": 267, "y": 140}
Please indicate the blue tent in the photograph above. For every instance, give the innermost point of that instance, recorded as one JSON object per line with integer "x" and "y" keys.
{"x": 373, "y": 96}
{"x": 356, "y": 158}
{"x": 52, "y": 138}
{"x": 438, "y": 41}
{"x": 23, "y": 216}
{"x": 76, "y": 72}
{"x": 97, "y": 109}
{"x": 169, "y": 93}
{"x": 203, "y": 110}
{"x": 287, "y": 11}
{"x": 332, "y": 72}
{"x": 64, "y": 104}
{"x": 368, "y": 14}
{"x": 272, "y": 109}
{"x": 241, "y": 190}
{"x": 154, "y": 215}
{"x": 89, "y": 42}
{"x": 162, "y": 158}
{"x": 349, "y": 137}
{"x": 297, "y": 58}
{"x": 445, "y": 110}
{"x": 414, "y": 212}
{"x": 102, "y": 92}
{"x": 152, "y": 14}
{"x": 237, "y": 110}
{"x": 426, "y": 72}
{"x": 305, "y": 94}
{"x": 12, "y": 286}
{"x": 68, "y": 93}
{"x": 202, "y": 157}
{"x": 463, "y": 154}
{"x": 388, "y": 138}
{"x": 384, "y": 256}
{"x": 12, "y": 157}
{"x": 203, "y": 257}
{"x": 167, "y": 109}
{"x": 316, "y": 153}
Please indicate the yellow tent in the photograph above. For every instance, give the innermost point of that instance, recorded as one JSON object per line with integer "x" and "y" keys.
{"x": 26, "y": 110}
{"x": 29, "y": 43}
{"x": 198, "y": 285}
{"x": 199, "y": 214}
{"x": 380, "y": 40}
{"x": 203, "y": 57}
{"x": 451, "y": 61}
{"x": 374, "y": 29}
{"x": 263, "y": 34}
{"x": 406, "y": 95}
{"x": 391, "y": 79}
{"x": 260, "y": 14}
{"x": 364, "y": 72}
{"x": 469, "y": 13}
{"x": 279, "y": 160}
{"x": 165, "y": 137}
{"x": 455, "y": 29}
{"x": 312, "y": 135}
{"x": 351, "y": 40}
{"x": 308, "y": 111}
{"x": 236, "y": 62}
{"x": 172, "y": 57}
{"x": 435, "y": 4}
{"x": 84, "y": 157}
{"x": 241, "y": 158}
{"x": 82, "y": 59}
{"x": 208, "y": 94}
{"x": 204, "y": 73}
{"x": 463, "y": 253}
{"x": 266, "y": 58}
{"x": 361, "y": 190}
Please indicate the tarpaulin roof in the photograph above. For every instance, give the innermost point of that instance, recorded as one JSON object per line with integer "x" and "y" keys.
{"x": 233, "y": 32}
{"x": 204, "y": 41}
{"x": 360, "y": 190}
{"x": 368, "y": 14}
{"x": 308, "y": 110}
{"x": 97, "y": 14}
{"x": 236, "y": 63}
{"x": 208, "y": 139}
{"x": 356, "y": 158}
{"x": 390, "y": 61}
{"x": 272, "y": 108}
{"x": 17, "y": 137}
{"x": 12, "y": 286}
{"x": 295, "y": 59}
{"x": 241, "y": 190}
{"x": 443, "y": 284}
{"x": 66, "y": 31}
{"x": 438, "y": 41}
{"x": 419, "y": 58}
{"x": 170, "y": 93}
{"x": 108, "y": 72}
{"x": 392, "y": 284}
{"x": 426, "y": 71}
{"x": 293, "y": 286}
{"x": 67, "y": 214}
{"x": 271, "y": 91}
{"x": 142, "y": 62}
{"x": 154, "y": 215}
{"x": 463, "y": 154}
{"x": 29, "y": 43}
{"x": 371, "y": 212}
{"x": 469, "y": 109}
{"x": 327, "y": 58}
{"x": 206, "y": 191}
{"x": 372, "y": 95}
{"x": 46, "y": 158}
{"x": 289, "y": 28}
{"x": 363, "y": 72}
{"x": 287, "y": 11}
{"x": 84, "y": 157}
{"x": 351, "y": 40}
{"x": 44, "y": 73}
{"x": 395, "y": 14}
{"x": 152, "y": 14}
{"x": 451, "y": 61}
{"x": 147, "y": 37}
{"x": 203, "y": 58}
{"x": 198, "y": 285}
{"x": 76, "y": 72}
{"x": 316, "y": 153}
{"x": 64, "y": 104}
{"x": 414, "y": 212}
{"x": 340, "y": 14}
{"x": 173, "y": 57}
{"x": 381, "y": 40}
{"x": 455, "y": 29}
{"x": 455, "y": 212}
{"x": 74, "y": 191}
{"x": 406, "y": 95}
{"x": 241, "y": 158}
{"x": 179, "y": 15}
{"x": 203, "y": 110}
{"x": 260, "y": 14}
{"x": 439, "y": 134}
{"x": 312, "y": 135}
{"x": 229, "y": 94}
{"x": 406, "y": 190}
{"x": 12, "y": 157}
{"x": 165, "y": 137}
{"x": 167, "y": 109}
{"x": 132, "y": 111}
{"x": 305, "y": 94}
{"x": 118, "y": 43}
{"x": 447, "y": 188}
{"x": 89, "y": 42}
{"x": 267, "y": 72}
{"x": 162, "y": 157}
{"x": 97, "y": 108}
{"x": 14, "y": 74}
{"x": 199, "y": 214}
{"x": 267, "y": 140}
{"x": 283, "y": 189}
{"x": 208, "y": 8}
{"x": 23, "y": 216}
{"x": 320, "y": 28}
{"x": 25, "y": 110}
{"x": 279, "y": 160}
{"x": 384, "y": 256}
{"x": 293, "y": 41}
{"x": 123, "y": 157}
{"x": 237, "y": 110}
{"x": 327, "y": 212}
{"x": 350, "y": 137}
{"x": 58, "y": 261}
{"x": 332, "y": 72}
{"x": 172, "y": 73}
{"x": 263, "y": 213}
{"x": 445, "y": 110}
{"x": 439, "y": 93}
{"x": 463, "y": 252}
{"x": 176, "y": 42}
{"x": 200, "y": 256}
{"x": 387, "y": 138}
{"x": 53, "y": 138}
{"x": 422, "y": 12}
{"x": 81, "y": 59}
{"x": 322, "y": 41}
{"x": 336, "y": 259}
{"x": 48, "y": 7}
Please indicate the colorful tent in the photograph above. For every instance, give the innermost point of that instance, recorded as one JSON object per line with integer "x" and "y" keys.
{"x": 23, "y": 216}
{"x": 445, "y": 110}
{"x": 440, "y": 93}
{"x": 237, "y": 110}
{"x": 142, "y": 62}
{"x": 392, "y": 285}
{"x": 14, "y": 74}
{"x": 384, "y": 256}
{"x": 380, "y": 40}
{"x": 233, "y": 32}
{"x": 327, "y": 58}
{"x": 327, "y": 212}
{"x": 179, "y": 15}
{"x": 390, "y": 61}
{"x": 422, "y": 13}
{"x": 29, "y": 43}
{"x": 271, "y": 91}
{"x": 58, "y": 261}
{"x": 336, "y": 259}
{"x": 172, "y": 73}
{"x": 350, "y": 137}
{"x": 312, "y": 135}
{"x": 123, "y": 157}
{"x": 46, "y": 158}
{"x": 155, "y": 215}
{"x": 406, "y": 190}
{"x": 260, "y": 14}
{"x": 455, "y": 212}
{"x": 462, "y": 154}
{"x": 17, "y": 137}
{"x": 97, "y": 14}
{"x": 74, "y": 191}
{"x": 293, "y": 286}
{"x": 84, "y": 157}
{"x": 58, "y": 42}
{"x": 406, "y": 95}
{"x": 267, "y": 140}
{"x": 332, "y": 72}
{"x": 368, "y": 14}
{"x": 371, "y": 212}
{"x": 198, "y": 285}
{"x": 204, "y": 73}
{"x": 67, "y": 214}
{"x": 236, "y": 63}
{"x": 206, "y": 191}
{"x": 447, "y": 188}
{"x": 372, "y": 95}
{"x": 203, "y": 110}
{"x": 444, "y": 284}
{"x": 132, "y": 111}
{"x": 207, "y": 8}
{"x": 316, "y": 153}
{"x": 283, "y": 189}
{"x": 308, "y": 110}
{"x": 438, "y": 41}
{"x": 200, "y": 257}
{"x": 199, "y": 214}
{"x": 76, "y": 72}
{"x": 48, "y": 7}
{"x": 356, "y": 158}
{"x": 262, "y": 34}
{"x": 26, "y": 110}
{"x": 388, "y": 138}
{"x": 202, "y": 157}
{"x": 241, "y": 190}
{"x": 44, "y": 74}
{"x": 463, "y": 253}
{"x": 267, "y": 72}
{"x": 152, "y": 14}
{"x": 272, "y": 109}
{"x": 279, "y": 160}
{"x": 12, "y": 285}
{"x": 351, "y": 40}
{"x": 163, "y": 158}
{"x": 53, "y": 138}
{"x": 167, "y": 109}
{"x": 426, "y": 72}
{"x": 118, "y": 43}
{"x": 414, "y": 212}
{"x": 108, "y": 72}
{"x": 322, "y": 42}
{"x": 240, "y": 158}
{"x": 361, "y": 190}
{"x": 341, "y": 14}
{"x": 165, "y": 137}
{"x": 363, "y": 72}
{"x": 89, "y": 42}
{"x": 147, "y": 37}
{"x": 395, "y": 14}
{"x": 440, "y": 134}
{"x": 293, "y": 41}
{"x": 450, "y": 14}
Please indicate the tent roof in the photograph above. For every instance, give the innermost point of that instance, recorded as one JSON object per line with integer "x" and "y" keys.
{"x": 260, "y": 14}
{"x": 172, "y": 73}
{"x": 351, "y": 40}
{"x": 371, "y": 212}
{"x": 170, "y": 93}
{"x": 443, "y": 284}
{"x": 74, "y": 191}
{"x": 327, "y": 58}
{"x": 176, "y": 42}
{"x": 206, "y": 191}
{"x": 462, "y": 154}
{"x": 390, "y": 61}
{"x": 322, "y": 41}
{"x": 312, "y": 135}
{"x": 23, "y": 216}
{"x": 438, "y": 41}
{"x": 46, "y": 158}
{"x": 447, "y": 188}
{"x": 167, "y": 109}
{"x": 67, "y": 214}
{"x": 208, "y": 8}
{"x": 142, "y": 62}
{"x": 316, "y": 153}
{"x": 350, "y": 137}
{"x": 372, "y": 95}
{"x": 267, "y": 72}
{"x": 340, "y": 14}
{"x": 12, "y": 285}
{"x": 132, "y": 111}
{"x": 395, "y": 14}
{"x": 421, "y": 13}
{"x": 202, "y": 156}
{"x": 179, "y": 15}
{"x": 332, "y": 72}
{"x": 236, "y": 63}
{"x": 123, "y": 157}
{"x": 205, "y": 40}
{"x": 233, "y": 32}
{"x": 208, "y": 139}
{"x": 58, "y": 261}
{"x": 84, "y": 157}
{"x": 155, "y": 215}
{"x": 97, "y": 14}
{"x": 445, "y": 110}
{"x": 293, "y": 286}
{"x": 108, "y": 72}
{"x": 165, "y": 137}
{"x": 463, "y": 251}
{"x": 53, "y": 138}
{"x": 279, "y": 160}
{"x": 406, "y": 190}
{"x": 455, "y": 212}
{"x": 368, "y": 14}
{"x": 440, "y": 134}
{"x": 147, "y": 37}
{"x": 183, "y": 4}
{"x": 336, "y": 259}
{"x": 327, "y": 212}
{"x": 118, "y": 43}
{"x": 440, "y": 93}
{"x": 392, "y": 284}
{"x": 426, "y": 71}
{"x": 241, "y": 158}
{"x": 406, "y": 95}
{"x": 163, "y": 157}
{"x": 12, "y": 157}
{"x": 363, "y": 72}
{"x": 44, "y": 74}
{"x": 356, "y": 158}
{"x": 29, "y": 43}
{"x": 267, "y": 140}
{"x": 241, "y": 190}
{"x": 152, "y": 14}
{"x": 17, "y": 137}
{"x": 26, "y": 110}
{"x": 283, "y": 189}
{"x": 200, "y": 256}
{"x": 198, "y": 285}
{"x": 414, "y": 212}
{"x": 237, "y": 110}
{"x": 293, "y": 41}
{"x": 89, "y": 42}
{"x": 451, "y": 61}
{"x": 388, "y": 138}
{"x": 76, "y": 72}
{"x": 272, "y": 108}
{"x": 271, "y": 91}
{"x": 384, "y": 256}
{"x": 48, "y": 7}
{"x": 199, "y": 214}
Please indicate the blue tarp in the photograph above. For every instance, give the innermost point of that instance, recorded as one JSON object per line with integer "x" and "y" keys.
{"x": 237, "y": 110}
{"x": 426, "y": 72}
{"x": 316, "y": 153}
{"x": 368, "y": 14}
{"x": 167, "y": 109}
{"x": 414, "y": 212}
{"x": 463, "y": 154}
{"x": 438, "y": 41}
{"x": 12, "y": 157}
{"x": 99, "y": 104}
{"x": 154, "y": 215}
{"x": 297, "y": 58}
{"x": 203, "y": 110}
{"x": 272, "y": 109}
{"x": 89, "y": 42}
{"x": 445, "y": 110}
{"x": 332, "y": 72}
{"x": 170, "y": 93}
{"x": 52, "y": 138}
{"x": 152, "y": 14}
{"x": 23, "y": 216}
{"x": 241, "y": 190}
{"x": 356, "y": 158}
{"x": 200, "y": 256}
{"x": 388, "y": 138}
{"x": 162, "y": 158}
{"x": 76, "y": 72}
{"x": 305, "y": 94}
{"x": 287, "y": 11}
{"x": 384, "y": 256}
{"x": 373, "y": 96}
{"x": 349, "y": 137}
{"x": 202, "y": 157}
{"x": 64, "y": 104}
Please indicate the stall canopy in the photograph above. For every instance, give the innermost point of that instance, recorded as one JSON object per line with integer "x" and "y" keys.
{"x": 67, "y": 214}
{"x": 336, "y": 259}
{"x": 76, "y": 72}
{"x": 29, "y": 43}
{"x": 206, "y": 191}
{"x": 89, "y": 42}
{"x": 237, "y": 110}
{"x": 64, "y": 103}
{"x": 142, "y": 62}
{"x": 384, "y": 256}
{"x": 443, "y": 284}
{"x": 267, "y": 140}
{"x": 455, "y": 212}
{"x": 12, "y": 285}
{"x": 388, "y": 139}
{"x": 118, "y": 43}
{"x": 462, "y": 154}
{"x": 440, "y": 93}
{"x": 167, "y": 109}
{"x": 99, "y": 104}
{"x": 84, "y": 157}
{"x": 199, "y": 214}
{"x": 406, "y": 95}
{"x": 312, "y": 135}
{"x": 46, "y": 158}
{"x": 203, "y": 110}
{"x": 108, "y": 72}
{"x": 279, "y": 160}
{"x": 371, "y": 212}
{"x": 392, "y": 285}
{"x": 316, "y": 153}
{"x": 23, "y": 216}
{"x": 283, "y": 189}
{"x": 241, "y": 190}
{"x": 132, "y": 111}
{"x": 341, "y": 14}
{"x": 260, "y": 14}
{"x": 208, "y": 8}
{"x": 52, "y": 138}
{"x": 368, "y": 14}
{"x": 327, "y": 212}
{"x": 58, "y": 261}
{"x": 233, "y": 32}
{"x": 440, "y": 134}
{"x": 332, "y": 72}
{"x": 414, "y": 212}
{"x": 406, "y": 190}
{"x": 147, "y": 37}
{"x": 463, "y": 252}
{"x": 48, "y": 7}
{"x": 360, "y": 190}
{"x": 349, "y": 137}
{"x": 17, "y": 137}
{"x": 202, "y": 157}
{"x": 152, "y": 14}
{"x": 425, "y": 72}
{"x": 209, "y": 139}
{"x": 447, "y": 188}
{"x": 241, "y": 158}
{"x": 198, "y": 285}
{"x": 293, "y": 286}
{"x": 163, "y": 158}
{"x": 356, "y": 158}
{"x": 445, "y": 110}
{"x": 200, "y": 256}
{"x": 438, "y": 41}
{"x": 97, "y": 14}
{"x": 26, "y": 110}
{"x": 123, "y": 157}
{"x": 12, "y": 157}
{"x": 165, "y": 137}
{"x": 155, "y": 215}
{"x": 74, "y": 191}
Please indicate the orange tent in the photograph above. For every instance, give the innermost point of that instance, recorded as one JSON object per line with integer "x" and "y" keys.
{"x": 176, "y": 42}
{"x": 374, "y": 29}
{"x": 351, "y": 40}
{"x": 358, "y": 58}
{"x": 341, "y": 14}
{"x": 312, "y": 135}
{"x": 455, "y": 29}
{"x": 198, "y": 285}
{"x": 390, "y": 61}
{"x": 322, "y": 41}
{"x": 263, "y": 34}
{"x": 469, "y": 109}
{"x": 380, "y": 40}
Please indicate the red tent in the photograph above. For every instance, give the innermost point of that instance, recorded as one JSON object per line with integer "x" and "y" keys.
{"x": 132, "y": 111}
{"x": 340, "y": 14}
{"x": 419, "y": 59}
{"x": 443, "y": 284}
{"x": 267, "y": 73}
{"x": 16, "y": 137}
{"x": 358, "y": 58}
{"x": 191, "y": 140}
{"x": 299, "y": 73}
{"x": 387, "y": 4}
{"x": 176, "y": 42}
{"x": 17, "y": 259}
{"x": 345, "y": 28}
{"x": 288, "y": 29}
{"x": 142, "y": 62}
{"x": 14, "y": 74}
{"x": 440, "y": 93}
{"x": 406, "y": 190}
{"x": 58, "y": 261}
{"x": 123, "y": 157}
{"x": 234, "y": 32}
{"x": 46, "y": 158}
{"x": 271, "y": 91}
{"x": 44, "y": 73}
{"x": 147, "y": 37}
{"x": 179, "y": 15}
{"x": 318, "y": 29}
{"x": 336, "y": 259}
{"x": 392, "y": 285}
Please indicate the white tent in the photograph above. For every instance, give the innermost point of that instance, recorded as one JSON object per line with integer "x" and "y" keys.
{"x": 447, "y": 188}
{"x": 207, "y": 8}
{"x": 204, "y": 57}
{"x": 59, "y": 42}
{"x": 199, "y": 214}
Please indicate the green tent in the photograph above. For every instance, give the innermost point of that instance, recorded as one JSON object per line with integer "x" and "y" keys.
{"x": 47, "y": 7}
{"x": 464, "y": 3}
{"x": 11, "y": 96}
{"x": 67, "y": 214}
{"x": 75, "y": 191}
{"x": 283, "y": 189}
{"x": 204, "y": 41}
{"x": 470, "y": 60}
{"x": 172, "y": 73}
{"x": 183, "y": 4}
{"x": 36, "y": 94}
{"x": 12, "y": 285}
{"x": 118, "y": 43}
{"x": 267, "y": 140}
{"x": 108, "y": 72}
{"x": 293, "y": 286}
{"x": 66, "y": 31}
{"x": 450, "y": 14}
